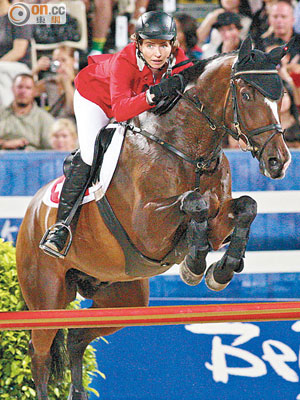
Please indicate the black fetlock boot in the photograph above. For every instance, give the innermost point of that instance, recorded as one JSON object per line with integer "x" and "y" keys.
{"x": 74, "y": 187}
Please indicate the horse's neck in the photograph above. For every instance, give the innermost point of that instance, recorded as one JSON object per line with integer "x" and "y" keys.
{"x": 183, "y": 130}
{"x": 212, "y": 89}
{"x": 185, "y": 126}
{"x": 214, "y": 83}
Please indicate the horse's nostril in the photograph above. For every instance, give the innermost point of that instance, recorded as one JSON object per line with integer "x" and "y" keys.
{"x": 274, "y": 163}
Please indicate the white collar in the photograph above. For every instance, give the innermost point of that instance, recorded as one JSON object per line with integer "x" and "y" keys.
{"x": 140, "y": 62}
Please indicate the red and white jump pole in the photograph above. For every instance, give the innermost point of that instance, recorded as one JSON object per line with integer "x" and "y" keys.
{"x": 143, "y": 316}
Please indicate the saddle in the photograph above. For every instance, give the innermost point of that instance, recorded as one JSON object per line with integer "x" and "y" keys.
{"x": 102, "y": 143}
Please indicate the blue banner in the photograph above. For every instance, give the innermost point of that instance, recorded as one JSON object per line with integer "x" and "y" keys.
{"x": 237, "y": 361}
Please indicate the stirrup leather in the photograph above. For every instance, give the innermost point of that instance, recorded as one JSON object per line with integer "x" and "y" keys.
{"x": 52, "y": 252}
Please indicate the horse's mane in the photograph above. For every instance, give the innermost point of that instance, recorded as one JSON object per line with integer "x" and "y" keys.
{"x": 192, "y": 73}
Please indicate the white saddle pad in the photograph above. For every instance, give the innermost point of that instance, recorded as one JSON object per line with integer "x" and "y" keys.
{"x": 52, "y": 195}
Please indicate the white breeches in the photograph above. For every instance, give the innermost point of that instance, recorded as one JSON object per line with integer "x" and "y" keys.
{"x": 90, "y": 118}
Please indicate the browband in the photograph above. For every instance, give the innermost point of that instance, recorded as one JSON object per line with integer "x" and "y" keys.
{"x": 266, "y": 71}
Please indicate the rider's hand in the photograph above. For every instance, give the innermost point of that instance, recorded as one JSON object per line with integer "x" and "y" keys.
{"x": 166, "y": 88}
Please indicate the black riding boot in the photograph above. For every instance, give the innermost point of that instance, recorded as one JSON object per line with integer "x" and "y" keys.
{"x": 74, "y": 187}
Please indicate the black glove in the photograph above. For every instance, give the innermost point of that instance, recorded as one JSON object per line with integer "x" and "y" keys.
{"x": 167, "y": 88}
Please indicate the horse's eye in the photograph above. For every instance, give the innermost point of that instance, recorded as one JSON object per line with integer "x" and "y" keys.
{"x": 246, "y": 96}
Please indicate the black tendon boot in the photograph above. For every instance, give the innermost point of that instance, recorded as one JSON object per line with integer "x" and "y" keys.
{"x": 73, "y": 189}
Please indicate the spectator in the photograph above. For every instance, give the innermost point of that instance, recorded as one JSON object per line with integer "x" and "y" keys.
{"x": 255, "y": 5}
{"x": 14, "y": 52}
{"x": 229, "y": 27}
{"x": 57, "y": 88}
{"x": 24, "y": 125}
{"x": 63, "y": 135}
{"x": 14, "y": 40}
{"x": 281, "y": 20}
{"x": 187, "y": 35}
{"x": 102, "y": 18}
{"x": 289, "y": 71}
{"x": 206, "y": 30}
{"x": 293, "y": 69}
{"x": 141, "y": 6}
{"x": 297, "y": 18}
{"x": 289, "y": 118}
{"x": 260, "y": 23}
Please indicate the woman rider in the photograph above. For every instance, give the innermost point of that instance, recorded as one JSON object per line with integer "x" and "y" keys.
{"x": 120, "y": 85}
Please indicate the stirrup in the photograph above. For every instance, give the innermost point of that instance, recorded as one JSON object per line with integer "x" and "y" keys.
{"x": 52, "y": 252}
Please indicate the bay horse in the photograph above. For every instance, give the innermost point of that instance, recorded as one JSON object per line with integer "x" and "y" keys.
{"x": 171, "y": 194}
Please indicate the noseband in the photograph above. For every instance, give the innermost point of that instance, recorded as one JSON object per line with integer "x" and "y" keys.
{"x": 240, "y": 132}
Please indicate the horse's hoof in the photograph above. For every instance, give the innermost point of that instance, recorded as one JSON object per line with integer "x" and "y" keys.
{"x": 210, "y": 281}
{"x": 187, "y": 276}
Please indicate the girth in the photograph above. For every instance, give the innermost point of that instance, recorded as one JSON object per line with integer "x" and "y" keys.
{"x": 136, "y": 264}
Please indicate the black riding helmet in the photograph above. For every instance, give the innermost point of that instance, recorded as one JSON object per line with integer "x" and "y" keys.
{"x": 156, "y": 25}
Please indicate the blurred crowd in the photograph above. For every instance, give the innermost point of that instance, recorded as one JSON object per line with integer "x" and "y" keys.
{"x": 36, "y": 98}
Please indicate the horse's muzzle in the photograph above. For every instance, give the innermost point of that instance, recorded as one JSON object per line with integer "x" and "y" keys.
{"x": 274, "y": 167}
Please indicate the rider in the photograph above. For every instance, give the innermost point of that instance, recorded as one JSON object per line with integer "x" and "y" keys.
{"x": 120, "y": 85}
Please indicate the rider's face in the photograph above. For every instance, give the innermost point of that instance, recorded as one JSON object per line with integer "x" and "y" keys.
{"x": 156, "y": 52}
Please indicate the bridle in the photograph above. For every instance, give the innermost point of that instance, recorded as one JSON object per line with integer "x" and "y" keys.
{"x": 240, "y": 132}
{"x": 237, "y": 119}
{"x": 203, "y": 164}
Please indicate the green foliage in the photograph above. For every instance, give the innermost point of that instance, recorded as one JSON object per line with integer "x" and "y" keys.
{"x": 15, "y": 364}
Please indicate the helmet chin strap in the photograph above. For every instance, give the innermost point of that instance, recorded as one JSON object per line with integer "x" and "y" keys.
{"x": 168, "y": 72}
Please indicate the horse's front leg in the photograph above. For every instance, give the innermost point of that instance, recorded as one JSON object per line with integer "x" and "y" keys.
{"x": 239, "y": 215}
{"x": 193, "y": 266}
{"x": 156, "y": 223}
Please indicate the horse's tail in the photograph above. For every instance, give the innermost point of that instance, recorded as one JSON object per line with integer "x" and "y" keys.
{"x": 59, "y": 356}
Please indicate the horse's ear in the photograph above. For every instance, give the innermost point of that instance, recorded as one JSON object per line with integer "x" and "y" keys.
{"x": 277, "y": 53}
{"x": 245, "y": 48}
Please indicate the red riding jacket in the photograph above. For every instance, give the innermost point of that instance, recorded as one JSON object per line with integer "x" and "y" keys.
{"x": 117, "y": 84}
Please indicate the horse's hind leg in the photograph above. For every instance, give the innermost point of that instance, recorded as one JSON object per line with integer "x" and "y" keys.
{"x": 41, "y": 360}
{"x": 243, "y": 211}
{"x": 119, "y": 294}
{"x": 193, "y": 266}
